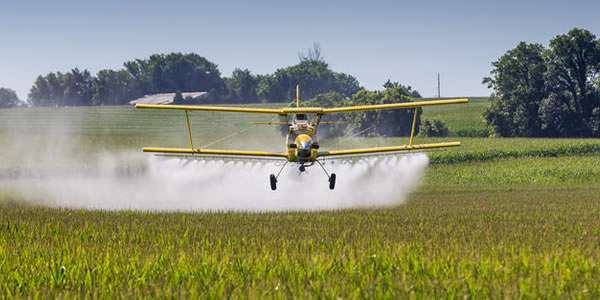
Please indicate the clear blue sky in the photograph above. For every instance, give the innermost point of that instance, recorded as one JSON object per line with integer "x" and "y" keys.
{"x": 405, "y": 41}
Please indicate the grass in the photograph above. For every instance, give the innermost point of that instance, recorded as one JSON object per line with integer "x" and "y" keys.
{"x": 464, "y": 243}
{"x": 465, "y": 121}
{"x": 495, "y": 218}
{"x": 579, "y": 169}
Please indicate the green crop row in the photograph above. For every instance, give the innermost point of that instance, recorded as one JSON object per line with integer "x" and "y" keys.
{"x": 570, "y": 149}
{"x": 509, "y": 244}
{"x": 580, "y": 169}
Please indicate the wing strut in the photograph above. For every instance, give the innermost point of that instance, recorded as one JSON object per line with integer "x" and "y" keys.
{"x": 189, "y": 131}
{"x": 412, "y": 131}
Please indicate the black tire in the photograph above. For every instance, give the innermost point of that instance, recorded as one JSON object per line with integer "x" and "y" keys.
{"x": 273, "y": 181}
{"x": 332, "y": 181}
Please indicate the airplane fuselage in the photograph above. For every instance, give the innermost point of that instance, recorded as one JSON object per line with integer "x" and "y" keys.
{"x": 301, "y": 142}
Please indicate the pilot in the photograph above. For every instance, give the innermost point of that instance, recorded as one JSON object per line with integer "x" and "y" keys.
{"x": 301, "y": 117}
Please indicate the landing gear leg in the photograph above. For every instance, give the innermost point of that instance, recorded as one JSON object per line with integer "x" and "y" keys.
{"x": 273, "y": 178}
{"x": 273, "y": 181}
{"x": 331, "y": 177}
{"x": 332, "y": 181}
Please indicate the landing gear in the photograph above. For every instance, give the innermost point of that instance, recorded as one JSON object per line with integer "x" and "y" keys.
{"x": 332, "y": 181}
{"x": 331, "y": 177}
{"x": 273, "y": 180}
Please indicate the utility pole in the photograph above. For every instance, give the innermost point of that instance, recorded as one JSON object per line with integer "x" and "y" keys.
{"x": 439, "y": 93}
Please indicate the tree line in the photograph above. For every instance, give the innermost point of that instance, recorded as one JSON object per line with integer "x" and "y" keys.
{"x": 177, "y": 72}
{"x": 547, "y": 92}
{"x": 8, "y": 98}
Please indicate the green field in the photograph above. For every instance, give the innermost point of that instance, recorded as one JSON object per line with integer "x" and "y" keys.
{"x": 464, "y": 121}
{"x": 501, "y": 218}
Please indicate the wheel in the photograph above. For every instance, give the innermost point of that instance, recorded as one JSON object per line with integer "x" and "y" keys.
{"x": 273, "y": 181}
{"x": 332, "y": 181}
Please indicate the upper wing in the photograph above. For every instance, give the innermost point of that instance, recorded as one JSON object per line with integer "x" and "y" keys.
{"x": 370, "y": 151}
{"x": 393, "y": 105}
{"x": 212, "y": 152}
{"x": 304, "y": 110}
{"x": 211, "y": 108}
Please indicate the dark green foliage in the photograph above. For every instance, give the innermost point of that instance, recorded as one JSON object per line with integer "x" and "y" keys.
{"x": 397, "y": 122}
{"x": 57, "y": 89}
{"x": 518, "y": 82}
{"x": 573, "y": 61}
{"x": 433, "y": 127}
{"x": 412, "y": 93}
{"x": 242, "y": 87}
{"x": 313, "y": 76}
{"x": 331, "y": 99}
{"x": 472, "y": 132}
{"x": 8, "y": 98}
{"x": 115, "y": 88}
{"x": 176, "y": 72}
{"x": 187, "y": 73}
{"x": 178, "y": 98}
{"x": 550, "y": 92}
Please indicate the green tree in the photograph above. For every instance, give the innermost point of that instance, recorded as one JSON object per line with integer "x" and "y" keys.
{"x": 394, "y": 122}
{"x": 114, "y": 88}
{"x": 331, "y": 99}
{"x": 242, "y": 86}
{"x": 178, "y": 98}
{"x": 519, "y": 88}
{"x": 77, "y": 88}
{"x": 176, "y": 72}
{"x": 433, "y": 127}
{"x": 47, "y": 90}
{"x": 573, "y": 63}
{"x": 57, "y": 89}
{"x": 313, "y": 76}
{"x": 412, "y": 93}
{"x": 8, "y": 98}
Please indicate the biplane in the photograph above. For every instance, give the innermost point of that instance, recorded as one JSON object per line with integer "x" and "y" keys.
{"x": 301, "y": 144}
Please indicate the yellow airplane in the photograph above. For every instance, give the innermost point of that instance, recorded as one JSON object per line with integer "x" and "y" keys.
{"x": 301, "y": 142}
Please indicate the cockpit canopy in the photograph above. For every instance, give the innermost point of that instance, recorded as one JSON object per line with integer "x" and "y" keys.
{"x": 301, "y": 117}
{"x": 304, "y": 142}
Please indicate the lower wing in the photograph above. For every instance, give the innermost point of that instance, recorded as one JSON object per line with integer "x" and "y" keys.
{"x": 219, "y": 153}
{"x": 383, "y": 150}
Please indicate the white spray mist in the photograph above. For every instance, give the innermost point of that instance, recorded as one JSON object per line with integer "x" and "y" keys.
{"x": 179, "y": 184}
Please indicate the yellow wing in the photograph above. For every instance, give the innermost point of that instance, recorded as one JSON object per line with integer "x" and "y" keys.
{"x": 213, "y": 152}
{"x": 371, "y": 151}
{"x": 393, "y": 105}
{"x": 211, "y": 108}
{"x": 304, "y": 110}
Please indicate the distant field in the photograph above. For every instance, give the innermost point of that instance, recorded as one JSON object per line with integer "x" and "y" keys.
{"x": 464, "y": 119}
{"x": 494, "y": 218}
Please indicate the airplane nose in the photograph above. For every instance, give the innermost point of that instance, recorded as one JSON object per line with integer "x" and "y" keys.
{"x": 304, "y": 145}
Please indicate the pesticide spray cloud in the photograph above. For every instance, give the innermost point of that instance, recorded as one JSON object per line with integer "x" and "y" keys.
{"x": 56, "y": 164}
{"x": 179, "y": 184}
